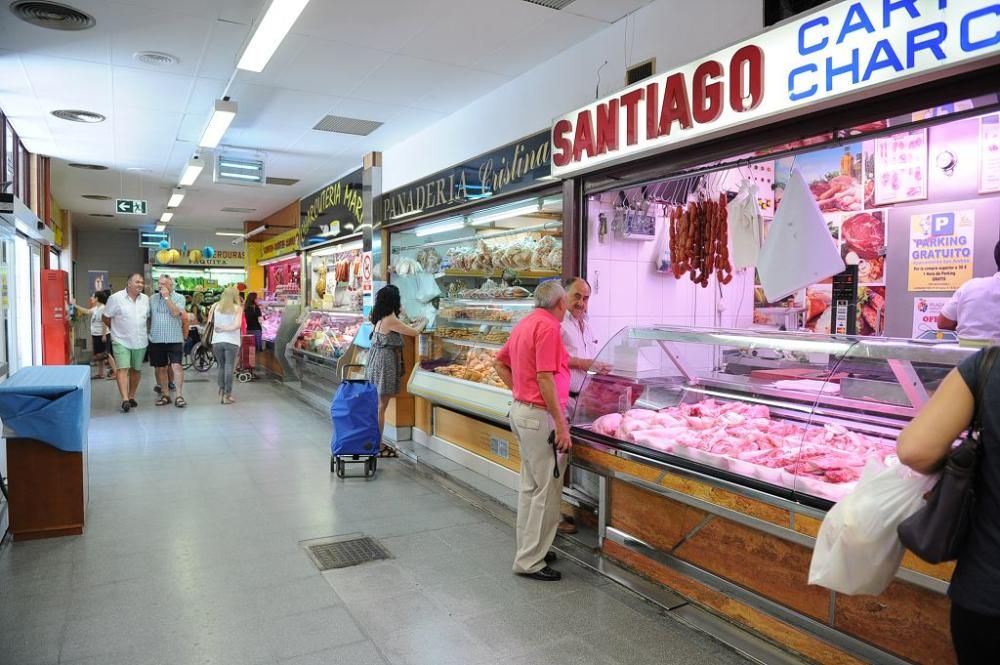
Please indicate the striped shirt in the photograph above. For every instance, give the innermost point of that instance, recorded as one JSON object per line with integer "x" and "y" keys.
{"x": 165, "y": 328}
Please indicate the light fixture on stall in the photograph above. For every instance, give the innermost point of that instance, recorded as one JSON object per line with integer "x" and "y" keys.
{"x": 166, "y": 217}
{"x": 508, "y": 211}
{"x": 222, "y": 117}
{"x": 192, "y": 170}
{"x": 249, "y": 234}
{"x": 450, "y": 224}
{"x": 160, "y": 228}
{"x": 278, "y": 20}
{"x": 229, "y": 234}
{"x": 176, "y": 196}
{"x": 947, "y": 161}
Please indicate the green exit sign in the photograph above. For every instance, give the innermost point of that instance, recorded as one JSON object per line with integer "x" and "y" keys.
{"x": 130, "y": 207}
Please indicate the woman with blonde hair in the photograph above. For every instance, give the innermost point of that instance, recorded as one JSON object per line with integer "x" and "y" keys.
{"x": 226, "y": 316}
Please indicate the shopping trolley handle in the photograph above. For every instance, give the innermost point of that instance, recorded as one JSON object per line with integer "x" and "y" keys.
{"x": 344, "y": 368}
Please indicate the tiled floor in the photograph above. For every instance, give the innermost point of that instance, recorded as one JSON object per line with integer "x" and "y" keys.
{"x": 192, "y": 556}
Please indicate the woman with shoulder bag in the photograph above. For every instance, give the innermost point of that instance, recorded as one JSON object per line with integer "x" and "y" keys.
{"x": 972, "y": 389}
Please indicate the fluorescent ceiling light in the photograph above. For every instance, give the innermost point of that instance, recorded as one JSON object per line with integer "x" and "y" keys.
{"x": 504, "y": 212}
{"x": 166, "y": 217}
{"x": 451, "y": 224}
{"x": 191, "y": 172}
{"x": 278, "y": 20}
{"x": 160, "y": 228}
{"x": 229, "y": 234}
{"x": 176, "y": 196}
{"x": 222, "y": 117}
{"x": 242, "y": 176}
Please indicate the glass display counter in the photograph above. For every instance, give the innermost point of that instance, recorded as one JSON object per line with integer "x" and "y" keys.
{"x": 791, "y": 414}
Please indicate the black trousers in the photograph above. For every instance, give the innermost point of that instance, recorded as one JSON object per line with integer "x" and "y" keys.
{"x": 976, "y": 636}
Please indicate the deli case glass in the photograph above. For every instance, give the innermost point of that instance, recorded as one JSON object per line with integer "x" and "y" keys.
{"x": 795, "y": 415}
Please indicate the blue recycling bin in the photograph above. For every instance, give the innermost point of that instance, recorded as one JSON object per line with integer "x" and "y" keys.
{"x": 46, "y": 416}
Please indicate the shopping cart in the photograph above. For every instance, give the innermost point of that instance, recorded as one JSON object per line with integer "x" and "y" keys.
{"x": 247, "y": 361}
{"x": 356, "y": 437}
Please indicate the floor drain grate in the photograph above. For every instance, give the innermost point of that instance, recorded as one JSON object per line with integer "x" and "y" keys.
{"x": 346, "y": 553}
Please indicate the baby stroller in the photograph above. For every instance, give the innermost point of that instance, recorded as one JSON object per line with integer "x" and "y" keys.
{"x": 356, "y": 436}
{"x": 200, "y": 357}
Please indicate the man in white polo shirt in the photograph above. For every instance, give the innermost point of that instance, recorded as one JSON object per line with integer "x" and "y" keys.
{"x": 127, "y": 314}
{"x": 974, "y": 311}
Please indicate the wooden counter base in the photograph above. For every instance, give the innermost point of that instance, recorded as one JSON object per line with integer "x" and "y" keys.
{"x": 47, "y": 490}
{"x": 907, "y": 621}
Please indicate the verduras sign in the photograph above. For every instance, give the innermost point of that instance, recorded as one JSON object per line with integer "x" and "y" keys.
{"x": 822, "y": 58}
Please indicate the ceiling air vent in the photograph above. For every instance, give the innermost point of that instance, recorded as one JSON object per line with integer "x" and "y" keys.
{"x": 286, "y": 182}
{"x": 551, "y": 4}
{"x": 100, "y": 214}
{"x": 641, "y": 71}
{"x": 341, "y": 125}
{"x": 89, "y": 167}
{"x": 96, "y": 197}
{"x": 52, "y": 15}
{"x": 155, "y": 58}
{"x": 76, "y": 115}
{"x": 239, "y": 209}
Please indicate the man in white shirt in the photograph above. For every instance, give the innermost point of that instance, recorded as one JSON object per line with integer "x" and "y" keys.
{"x": 127, "y": 315}
{"x": 582, "y": 346}
{"x": 974, "y": 310}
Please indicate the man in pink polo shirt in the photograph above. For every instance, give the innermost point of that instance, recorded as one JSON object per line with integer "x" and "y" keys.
{"x": 534, "y": 364}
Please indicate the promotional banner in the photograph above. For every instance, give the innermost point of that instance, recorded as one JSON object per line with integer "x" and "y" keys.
{"x": 941, "y": 250}
{"x": 925, "y": 314}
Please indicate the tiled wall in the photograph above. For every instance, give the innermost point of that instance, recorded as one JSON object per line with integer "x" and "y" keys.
{"x": 627, "y": 290}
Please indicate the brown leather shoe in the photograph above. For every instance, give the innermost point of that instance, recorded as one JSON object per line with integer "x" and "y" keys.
{"x": 566, "y": 527}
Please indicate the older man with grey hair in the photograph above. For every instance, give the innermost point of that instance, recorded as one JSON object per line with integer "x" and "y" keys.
{"x": 534, "y": 364}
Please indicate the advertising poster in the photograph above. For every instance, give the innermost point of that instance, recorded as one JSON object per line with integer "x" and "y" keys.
{"x": 863, "y": 243}
{"x": 925, "y": 314}
{"x": 941, "y": 250}
{"x": 871, "y": 310}
{"x": 834, "y": 177}
{"x": 97, "y": 280}
{"x": 989, "y": 153}
{"x": 901, "y": 167}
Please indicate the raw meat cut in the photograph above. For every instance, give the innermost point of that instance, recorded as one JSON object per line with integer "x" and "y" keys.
{"x": 864, "y": 234}
{"x": 741, "y": 436}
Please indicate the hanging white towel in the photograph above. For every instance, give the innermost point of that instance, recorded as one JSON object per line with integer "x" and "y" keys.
{"x": 745, "y": 226}
{"x": 798, "y": 251}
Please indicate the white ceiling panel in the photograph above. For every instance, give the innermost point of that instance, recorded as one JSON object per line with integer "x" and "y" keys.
{"x": 327, "y": 144}
{"x": 268, "y": 139}
{"x": 605, "y": 10}
{"x": 81, "y": 84}
{"x": 93, "y": 45}
{"x": 342, "y": 67}
{"x": 139, "y": 29}
{"x": 223, "y": 49}
{"x": 543, "y": 42}
{"x": 461, "y": 89}
{"x": 389, "y": 22}
{"x": 144, "y": 90}
{"x": 261, "y": 106}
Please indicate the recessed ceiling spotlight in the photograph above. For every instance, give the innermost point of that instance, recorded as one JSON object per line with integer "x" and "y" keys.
{"x": 155, "y": 58}
{"x": 52, "y": 15}
{"x": 89, "y": 167}
{"x": 76, "y": 115}
{"x": 97, "y": 197}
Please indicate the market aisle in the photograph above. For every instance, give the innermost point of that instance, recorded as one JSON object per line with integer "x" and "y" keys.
{"x": 192, "y": 556}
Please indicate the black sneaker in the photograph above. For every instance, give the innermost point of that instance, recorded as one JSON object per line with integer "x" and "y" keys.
{"x": 546, "y": 574}
{"x": 126, "y": 406}
{"x": 132, "y": 403}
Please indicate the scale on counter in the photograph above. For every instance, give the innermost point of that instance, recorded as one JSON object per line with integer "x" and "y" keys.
{"x": 844, "y": 308}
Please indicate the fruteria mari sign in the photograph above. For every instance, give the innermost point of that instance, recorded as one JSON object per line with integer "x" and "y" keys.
{"x": 824, "y": 58}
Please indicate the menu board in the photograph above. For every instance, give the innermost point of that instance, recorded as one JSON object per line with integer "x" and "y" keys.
{"x": 901, "y": 167}
{"x": 989, "y": 153}
{"x": 941, "y": 250}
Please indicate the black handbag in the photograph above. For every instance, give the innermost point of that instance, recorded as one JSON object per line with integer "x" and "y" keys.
{"x": 938, "y": 530}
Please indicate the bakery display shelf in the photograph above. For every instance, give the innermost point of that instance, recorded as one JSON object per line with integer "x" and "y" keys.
{"x": 480, "y": 322}
{"x": 469, "y": 397}
{"x": 490, "y": 302}
{"x": 521, "y": 274}
{"x": 472, "y": 344}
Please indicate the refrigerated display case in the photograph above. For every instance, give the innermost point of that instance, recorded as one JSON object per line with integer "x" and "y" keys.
{"x": 790, "y": 414}
{"x": 323, "y": 352}
{"x": 272, "y": 312}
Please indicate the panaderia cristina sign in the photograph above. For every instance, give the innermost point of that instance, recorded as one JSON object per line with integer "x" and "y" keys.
{"x": 513, "y": 167}
{"x": 831, "y": 56}
{"x": 332, "y": 212}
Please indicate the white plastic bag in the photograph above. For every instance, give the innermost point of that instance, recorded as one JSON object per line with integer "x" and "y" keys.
{"x": 857, "y": 550}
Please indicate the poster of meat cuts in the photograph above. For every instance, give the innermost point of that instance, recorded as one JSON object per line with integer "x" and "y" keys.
{"x": 863, "y": 243}
{"x": 901, "y": 167}
{"x": 925, "y": 314}
{"x": 941, "y": 250}
{"x": 989, "y": 153}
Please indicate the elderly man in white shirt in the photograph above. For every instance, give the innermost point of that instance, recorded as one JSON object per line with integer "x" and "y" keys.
{"x": 974, "y": 311}
{"x": 582, "y": 346}
{"x": 127, "y": 315}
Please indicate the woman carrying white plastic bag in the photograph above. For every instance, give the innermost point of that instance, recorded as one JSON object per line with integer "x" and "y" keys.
{"x": 858, "y": 550}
